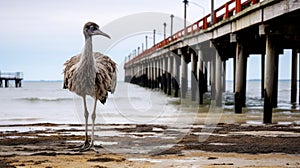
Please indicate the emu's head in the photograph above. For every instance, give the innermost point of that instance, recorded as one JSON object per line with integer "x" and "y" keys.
{"x": 91, "y": 29}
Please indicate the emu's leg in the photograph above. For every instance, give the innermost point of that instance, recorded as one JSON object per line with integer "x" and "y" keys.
{"x": 93, "y": 124}
{"x": 86, "y": 115}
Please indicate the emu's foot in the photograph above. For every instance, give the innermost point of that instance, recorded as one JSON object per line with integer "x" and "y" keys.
{"x": 88, "y": 147}
{"x": 85, "y": 146}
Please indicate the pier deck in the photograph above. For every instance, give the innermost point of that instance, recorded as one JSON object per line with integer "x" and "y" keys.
{"x": 236, "y": 30}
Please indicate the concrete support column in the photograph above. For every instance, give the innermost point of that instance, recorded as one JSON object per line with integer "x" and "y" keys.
{"x": 270, "y": 76}
{"x": 299, "y": 74}
{"x": 240, "y": 78}
{"x": 176, "y": 76}
{"x": 157, "y": 73}
{"x": 165, "y": 75}
{"x": 200, "y": 76}
{"x": 213, "y": 76}
{"x": 205, "y": 71}
{"x": 145, "y": 78}
{"x": 294, "y": 76}
{"x": 128, "y": 74}
{"x": 137, "y": 74}
{"x": 153, "y": 74}
{"x": 193, "y": 77}
{"x": 161, "y": 73}
{"x": 234, "y": 71}
{"x": 131, "y": 74}
{"x": 141, "y": 73}
{"x": 184, "y": 79}
{"x": 17, "y": 82}
{"x": 275, "y": 87}
{"x": 218, "y": 80}
{"x": 125, "y": 77}
{"x": 6, "y": 83}
{"x": 169, "y": 76}
{"x": 145, "y": 74}
{"x": 224, "y": 76}
{"x": 149, "y": 75}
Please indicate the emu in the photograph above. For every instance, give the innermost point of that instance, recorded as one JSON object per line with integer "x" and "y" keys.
{"x": 90, "y": 74}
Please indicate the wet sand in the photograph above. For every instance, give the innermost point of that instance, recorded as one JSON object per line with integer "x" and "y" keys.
{"x": 132, "y": 145}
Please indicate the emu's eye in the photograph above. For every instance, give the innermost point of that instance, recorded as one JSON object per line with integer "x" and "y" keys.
{"x": 92, "y": 28}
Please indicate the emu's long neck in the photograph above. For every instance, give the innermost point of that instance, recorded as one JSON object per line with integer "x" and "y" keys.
{"x": 87, "y": 66}
{"x": 87, "y": 57}
{"x": 85, "y": 74}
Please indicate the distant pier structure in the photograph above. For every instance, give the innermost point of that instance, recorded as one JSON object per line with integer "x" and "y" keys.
{"x": 6, "y": 77}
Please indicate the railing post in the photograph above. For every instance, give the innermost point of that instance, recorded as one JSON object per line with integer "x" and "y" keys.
{"x": 255, "y": 1}
{"x": 215, "y": 17}
{"x": 198, "y": 27}
{"x": 238, "y": 6}
{"x": 204, "y": 23}
{"x": 226, "y": 10}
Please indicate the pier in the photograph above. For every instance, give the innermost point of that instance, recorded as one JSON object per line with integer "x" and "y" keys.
{"x": 235, "y": 30}
{"x": 17, "y": 77}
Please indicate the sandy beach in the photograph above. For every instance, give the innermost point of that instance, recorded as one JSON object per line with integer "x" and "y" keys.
{"x": 229, "y": 145}
{"x": 42, "y": 127}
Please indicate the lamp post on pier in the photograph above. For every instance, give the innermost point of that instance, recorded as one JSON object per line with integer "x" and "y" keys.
{"x": 154, "y": 31}
{"x": 212, "y": 12}
{"x": 165, "y": 26}
{"x": 146, "y": 41}
{"x": 171, "y": 27}
{"x": 185, "y": 5}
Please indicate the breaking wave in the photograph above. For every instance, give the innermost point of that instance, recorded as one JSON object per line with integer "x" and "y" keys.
{"x": 38, "y": 99}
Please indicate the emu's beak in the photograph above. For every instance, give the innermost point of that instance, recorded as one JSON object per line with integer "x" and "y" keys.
{"x": 99, "y": 32}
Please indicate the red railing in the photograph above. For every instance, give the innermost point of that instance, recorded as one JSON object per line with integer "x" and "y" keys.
{"x": 225, "y": 11}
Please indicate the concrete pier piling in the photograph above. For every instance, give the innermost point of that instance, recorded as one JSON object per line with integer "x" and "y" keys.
{"x": 262, "y": 74}
{"x": 193, "y": 76}
{"x": 184, "y": 73}
{"x": 294, "y": 76}
{"x": 270, "y": 76}
{"x": 240, "y": 77}
{"x": 176, "y": 80}
{"x": 169, "y": 75}
{"x": 213, "y": 75}
{"x": 200, "y": 76}
{"x": 165, "y": 75}
{"x": 218, "y": 81}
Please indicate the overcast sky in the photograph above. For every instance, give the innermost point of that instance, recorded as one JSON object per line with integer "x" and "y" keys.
{"x": 37, "y": 37}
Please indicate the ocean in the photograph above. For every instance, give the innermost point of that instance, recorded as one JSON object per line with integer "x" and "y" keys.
{"x": 47, "y": 102}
